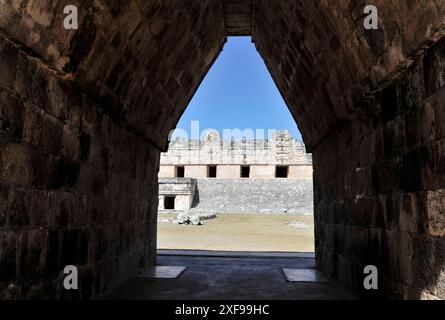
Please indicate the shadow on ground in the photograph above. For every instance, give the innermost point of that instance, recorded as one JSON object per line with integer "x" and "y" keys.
{"x": 215, "y": 276}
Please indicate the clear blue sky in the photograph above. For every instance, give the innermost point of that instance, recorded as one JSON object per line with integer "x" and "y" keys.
{"x": 238, "y": 92}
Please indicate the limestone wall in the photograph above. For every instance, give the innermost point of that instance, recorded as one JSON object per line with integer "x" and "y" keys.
{"x": 77, "y": 186}
{"x": 255, "y": 196}
{"x": 78, "y": 163}
{"x": 196, "y": 171}
{"x": 282, "y": 149}
{"x": 379, "y": 157}
{"x": 261, "y": 156}
{"x": 227, "y": 171}
{"x": 234, "y": 171}
{"x": 386, "y": 193}
{"x": 84, "y": 115}
{"x": 301, "y": 172}
{"x": 183, "y": 189}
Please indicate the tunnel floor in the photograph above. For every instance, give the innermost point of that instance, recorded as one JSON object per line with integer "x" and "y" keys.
{"x": 212, "y": 276}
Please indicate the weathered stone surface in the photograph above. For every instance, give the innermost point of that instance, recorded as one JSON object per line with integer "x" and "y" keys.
{"x": 436, "y": 213}
{"x": 55, "y": 185}
{"x": 257, "y": 193}
{"x": 254, "y": 196}
{"x": 406, "y": 180}
{"x": 180, "y": 191}
{"x": 241, "y": 149}
{"x": 85, "y": 114}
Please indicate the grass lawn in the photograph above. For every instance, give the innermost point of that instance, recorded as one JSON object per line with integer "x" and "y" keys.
{"x": 236, "y": 232}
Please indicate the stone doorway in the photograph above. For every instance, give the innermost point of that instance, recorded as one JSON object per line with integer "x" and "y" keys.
{"x": 253, "y": 186}
{"x": 169, "y": 203}
{"x": 86, "y": 113}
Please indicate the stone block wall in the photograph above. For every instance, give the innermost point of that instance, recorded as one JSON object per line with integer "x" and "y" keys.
{"x": 377, "y": 143}
{"x": 77, "y": 186}
{"x": 196, "y": 171}
{"x": 234, "y": 171}
{"x": 386, "y": 192}
{"x": 254, "y": 196}
{"x": 84, "y": 115}
{"x": 236, "y": 147}
{"x": 326, "y": 61}
{"x": 227, "y": 171}
{"x": 262, "y": 172}
{"x": 183, "y": 189}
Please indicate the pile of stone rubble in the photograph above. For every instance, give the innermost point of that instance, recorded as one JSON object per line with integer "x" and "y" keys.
{"x": 186, "y": 218}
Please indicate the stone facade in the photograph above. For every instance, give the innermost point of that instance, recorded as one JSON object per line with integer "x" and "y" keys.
{"x": 254, "y": 196}
{"x": 259, "y": 191}
{"x": 179, "y": 191}
{"x": 85, "y": 114}
{"x": 260, "y": 157}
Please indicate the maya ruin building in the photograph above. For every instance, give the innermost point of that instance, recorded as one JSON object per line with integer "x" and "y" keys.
{"x": 86, "y": 112}
{"x": 212, "y": 175}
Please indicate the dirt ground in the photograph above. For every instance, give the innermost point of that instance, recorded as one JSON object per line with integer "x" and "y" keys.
{"x": 254, "y": 233}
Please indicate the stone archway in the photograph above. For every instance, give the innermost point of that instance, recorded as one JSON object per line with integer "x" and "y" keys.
{"x": 85, "y": 113}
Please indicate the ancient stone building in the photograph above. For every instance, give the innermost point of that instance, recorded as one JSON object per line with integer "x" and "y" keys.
{"x": 85, "y": 114}
{"x": 176, "y": 195}
{"x": 214, "y": 175}
{"x": 212, "y": 157}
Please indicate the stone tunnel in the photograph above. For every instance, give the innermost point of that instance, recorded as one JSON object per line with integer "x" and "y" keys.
{"x": 85, "y": 113}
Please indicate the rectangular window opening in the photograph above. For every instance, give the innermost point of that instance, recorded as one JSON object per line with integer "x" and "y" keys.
{"x": 180, "y": 172}
{"x": 281, "y": 172}
{"x": 245, "y": 171}
{"x": 211, "y": 172}
{"x": 169, "y": 203}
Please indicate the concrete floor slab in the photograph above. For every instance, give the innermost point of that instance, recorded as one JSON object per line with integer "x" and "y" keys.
{"x": 227, "y": 278}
